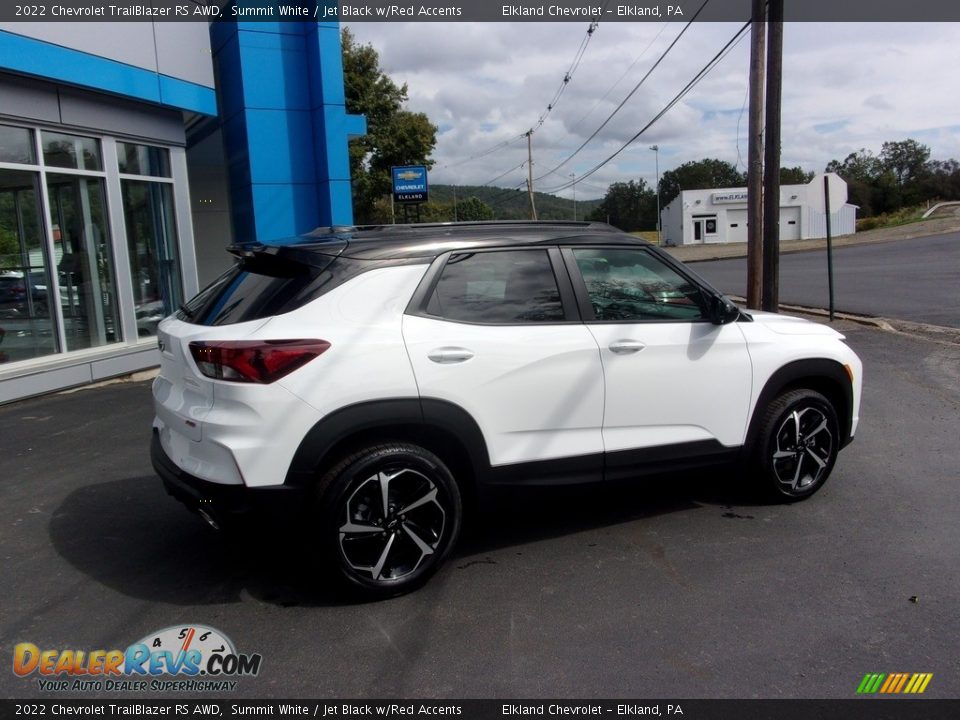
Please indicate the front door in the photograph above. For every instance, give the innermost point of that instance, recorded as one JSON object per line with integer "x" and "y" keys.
{"x": 673, "y": 378}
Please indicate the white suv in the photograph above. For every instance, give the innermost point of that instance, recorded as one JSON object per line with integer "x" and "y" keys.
{"x": 374, "y": 379}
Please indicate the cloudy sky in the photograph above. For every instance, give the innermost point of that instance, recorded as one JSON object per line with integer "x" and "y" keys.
{"x": 846, "y": 86}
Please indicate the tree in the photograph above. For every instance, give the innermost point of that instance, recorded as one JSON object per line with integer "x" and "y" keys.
{"x": 474, "y": 209}
{"x": 699, "y": 175}
{"x": 906, "y": 159}
{"x": 629, "y": 206}
{"x": 394, "y": 136}
{"x": 795, "y": 176}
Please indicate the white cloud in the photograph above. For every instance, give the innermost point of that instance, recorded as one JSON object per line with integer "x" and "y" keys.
{"x": 846, "y": 86}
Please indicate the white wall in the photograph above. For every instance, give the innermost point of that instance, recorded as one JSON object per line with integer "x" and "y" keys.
{"x": 801, "y": 213}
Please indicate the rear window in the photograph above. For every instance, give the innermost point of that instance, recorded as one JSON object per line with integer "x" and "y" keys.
{"x": 501, "y": 287}
{"x": 258, "y": 288}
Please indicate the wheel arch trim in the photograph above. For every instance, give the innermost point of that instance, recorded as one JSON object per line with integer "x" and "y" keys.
{"x": 798, "y": 373}
{"x": 419, "y": 418}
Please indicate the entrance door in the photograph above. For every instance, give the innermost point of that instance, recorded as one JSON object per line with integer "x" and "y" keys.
{"x": 698, "y": 231}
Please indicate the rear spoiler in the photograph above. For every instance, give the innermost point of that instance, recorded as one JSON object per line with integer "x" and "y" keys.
{"x": 315, "y": 255}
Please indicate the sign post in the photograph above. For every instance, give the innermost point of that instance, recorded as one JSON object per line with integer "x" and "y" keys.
{"x": 826, "y": 205}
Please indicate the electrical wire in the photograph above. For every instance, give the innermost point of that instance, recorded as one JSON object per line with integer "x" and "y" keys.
{"x": 630, "y": 94}
{"x": 714, "y": 61}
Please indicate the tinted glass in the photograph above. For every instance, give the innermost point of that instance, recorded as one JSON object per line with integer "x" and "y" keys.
{"x": 27, "y": 327}
{"x": 84, "y": 258}
{"x": 152, "y": 245}
{"x": 513, "y": 286}
{"x": 16, "y": 145}
{"x": 71, "y": 151}
{"x": 143, "y": 160}
{"x": 263, "y": 287}
{"x": 634, "y": 285}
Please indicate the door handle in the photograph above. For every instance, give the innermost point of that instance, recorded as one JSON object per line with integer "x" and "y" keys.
{"x": 450, "y": 355}
{"x": 626, "y": 347}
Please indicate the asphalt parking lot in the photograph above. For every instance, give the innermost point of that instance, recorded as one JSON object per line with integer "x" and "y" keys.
{"x": 682, "y": 587}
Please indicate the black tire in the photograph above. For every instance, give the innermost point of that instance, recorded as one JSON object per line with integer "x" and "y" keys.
{"x": 379, "y": 545}
{"x": 796, "y": 446}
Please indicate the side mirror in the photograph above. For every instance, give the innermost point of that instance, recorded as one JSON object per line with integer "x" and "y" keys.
{"x": 722, "y": 310}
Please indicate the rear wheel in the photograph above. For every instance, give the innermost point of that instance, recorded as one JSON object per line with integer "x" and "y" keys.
{"x": 797, "y": 445}
{"x": 390, "y": 514}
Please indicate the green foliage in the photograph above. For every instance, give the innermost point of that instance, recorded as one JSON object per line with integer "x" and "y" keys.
{"x": 900, "y": 177}
{"x": 510, "y": 204}
{"x": 699, "y": 175}
{"x": 474, "y": 209}
{"x": 795, "y": 176}
{"x": 394, "y": 136}
{"x": 629, "y": 206}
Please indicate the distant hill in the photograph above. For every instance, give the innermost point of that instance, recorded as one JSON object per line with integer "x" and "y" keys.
{"x": 514, "y": 204}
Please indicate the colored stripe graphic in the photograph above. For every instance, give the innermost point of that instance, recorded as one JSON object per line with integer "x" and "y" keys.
{"x": 894, "y": 683}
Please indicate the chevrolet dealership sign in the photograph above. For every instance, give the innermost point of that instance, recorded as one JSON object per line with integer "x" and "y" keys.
{"x": 409, "y": 184}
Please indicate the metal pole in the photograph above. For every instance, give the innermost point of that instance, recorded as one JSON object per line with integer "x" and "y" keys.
{"x": 826, "y": 205}
{"x": 533, "y": 205}
{"x": 574, "y": 176}
{"x": 771, "y": 166}
{"x": 656, "y": 156}
{"x": 758, "y": 46}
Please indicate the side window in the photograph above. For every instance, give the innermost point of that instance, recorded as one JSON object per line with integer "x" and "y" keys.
{"x": 508, "y": 286}
{"x": 628, "y": 285}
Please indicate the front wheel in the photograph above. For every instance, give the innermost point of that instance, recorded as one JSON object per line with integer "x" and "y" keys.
{"x": 390, "y": 514}
{"x": 796, "y": 446}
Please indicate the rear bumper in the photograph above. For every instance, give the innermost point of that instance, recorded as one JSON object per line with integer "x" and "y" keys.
{"x": 223, "y": 502}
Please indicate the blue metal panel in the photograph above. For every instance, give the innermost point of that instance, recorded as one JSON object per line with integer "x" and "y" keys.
{"x": 60, "y": 64}
{"x": 285, "y": 126}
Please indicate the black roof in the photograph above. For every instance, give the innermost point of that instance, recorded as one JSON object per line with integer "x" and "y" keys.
{"x": 388, "y": 242}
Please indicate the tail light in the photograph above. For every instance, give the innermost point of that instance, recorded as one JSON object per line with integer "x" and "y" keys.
{"x": 254, "y": 361}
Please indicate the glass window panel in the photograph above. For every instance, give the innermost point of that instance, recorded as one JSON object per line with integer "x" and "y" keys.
{"x": 26, "y": 327}
{"x": 634, "y": 286}
{"x": 71, "y": 151}
{"x": 143, "y": 160}
{"x": 16, "y": 145}
{"x": 152, "y": 243}
{"x": 84, "y": 260}
{"x": 510, "y": 286}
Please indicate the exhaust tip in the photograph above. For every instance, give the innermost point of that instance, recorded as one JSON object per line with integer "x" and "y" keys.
{"x": 208, "y": 518}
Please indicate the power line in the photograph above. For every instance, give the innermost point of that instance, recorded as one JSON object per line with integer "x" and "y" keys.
{"x": 626, "y": 72}
{"x": 630, "y": 94}
{"x": 722, "y": 53}
{"x": 551, "y": 106}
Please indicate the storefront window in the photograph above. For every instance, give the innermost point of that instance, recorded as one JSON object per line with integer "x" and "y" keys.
{"x": 16, "y": 145}
{"x": 26, "y": 327}
{"x": 71, "y": 151}
{"x": 143, "y": 160}
{"x": 84, "y": 260}
{"x": 152, "y": 243}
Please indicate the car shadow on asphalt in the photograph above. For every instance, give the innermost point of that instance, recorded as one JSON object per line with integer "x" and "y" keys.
{"x": 130, "y": 537}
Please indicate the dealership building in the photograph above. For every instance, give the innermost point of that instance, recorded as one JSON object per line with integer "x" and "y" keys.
{"x": 697, "y": 217}
{"x": 131, "y": 154}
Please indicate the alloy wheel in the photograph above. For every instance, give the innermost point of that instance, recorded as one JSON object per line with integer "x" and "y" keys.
{"x": 391, "y": 523}
{"x": 804, "y": 445}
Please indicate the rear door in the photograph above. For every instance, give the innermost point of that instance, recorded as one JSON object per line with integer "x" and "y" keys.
{"x": 498, "y": 334}
{"x": 674, "y": 380}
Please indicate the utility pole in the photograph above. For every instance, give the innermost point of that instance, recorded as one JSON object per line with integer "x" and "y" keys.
{"x": 454, "y": 203}
{"x": 533, "y": 205}
{"x": 656, "y": 155}
{"x": 770, "y": 297}
{"x": 574, "y": 178}
{"x": 755, "y": 157}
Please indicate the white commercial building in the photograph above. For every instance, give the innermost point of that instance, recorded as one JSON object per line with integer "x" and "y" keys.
{"x": 696, "y": 217}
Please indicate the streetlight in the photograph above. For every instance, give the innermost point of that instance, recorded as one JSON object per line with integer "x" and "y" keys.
{"x": 574, "y": 177}
{"x": 656, "y": 155}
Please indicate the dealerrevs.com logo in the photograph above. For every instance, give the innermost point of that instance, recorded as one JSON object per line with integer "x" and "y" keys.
{"x": 179, "y": 658}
